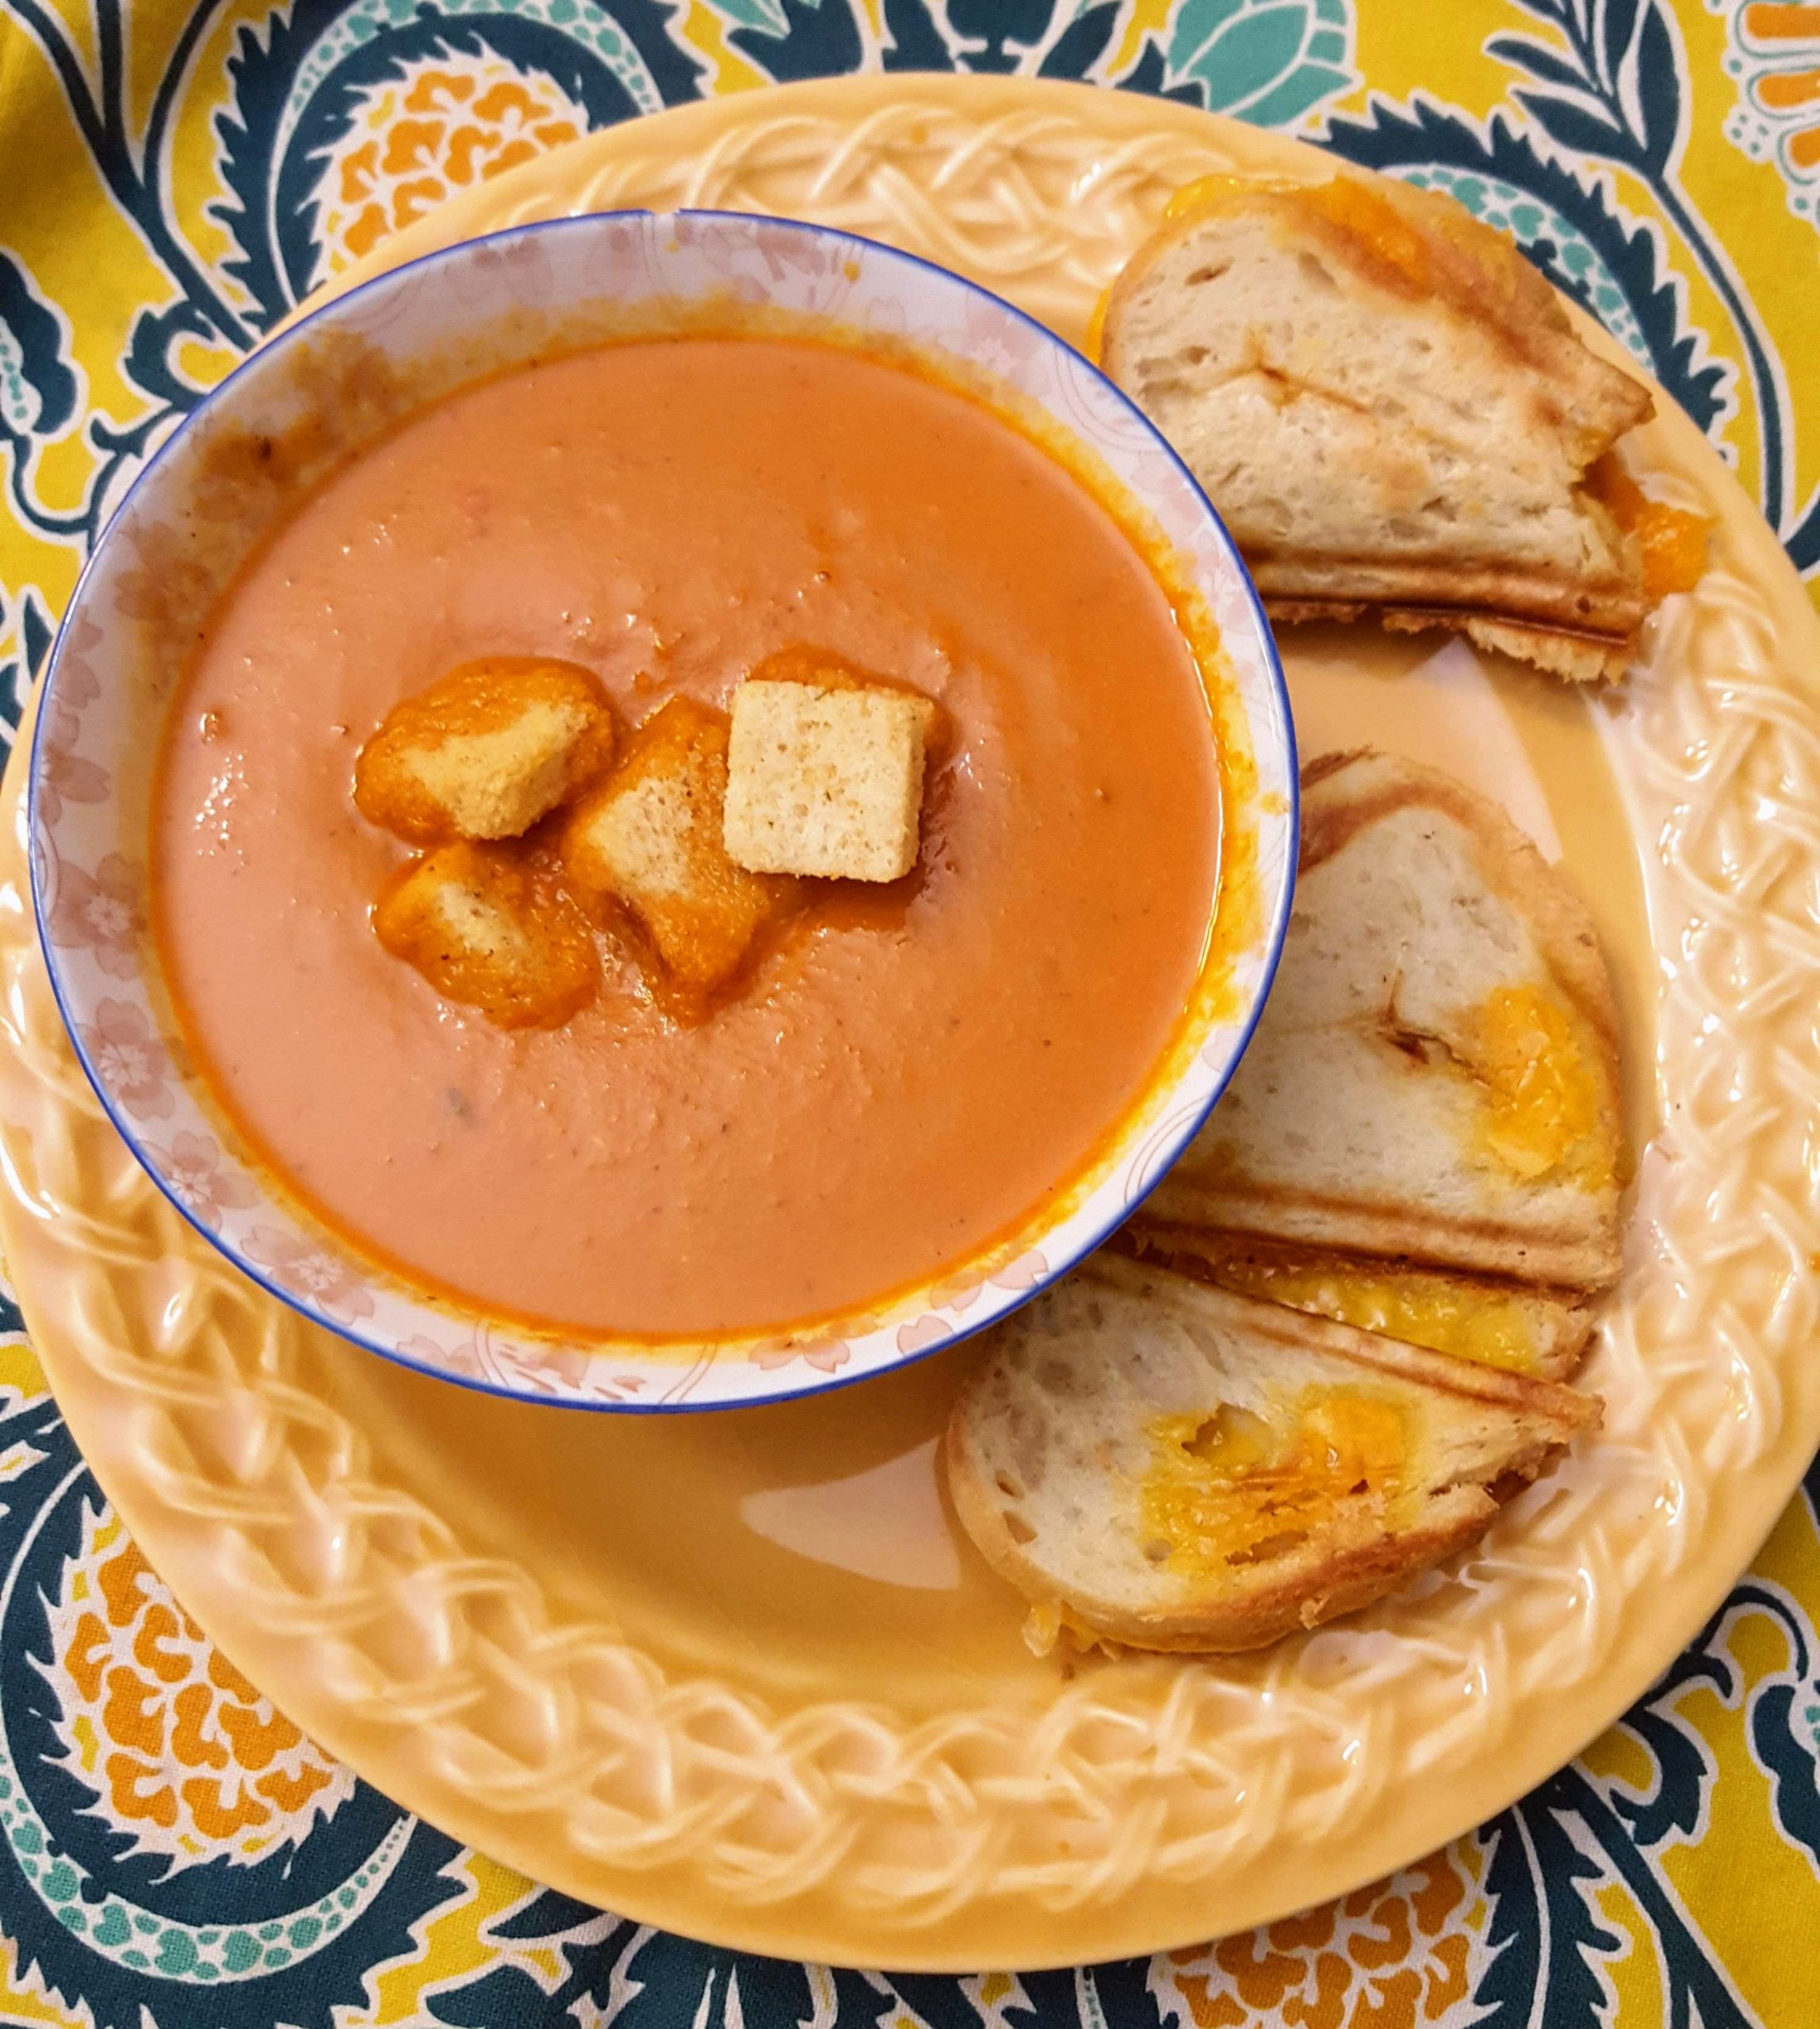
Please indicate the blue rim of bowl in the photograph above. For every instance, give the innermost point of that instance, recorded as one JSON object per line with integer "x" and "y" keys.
{"x": 1274, "y": 936}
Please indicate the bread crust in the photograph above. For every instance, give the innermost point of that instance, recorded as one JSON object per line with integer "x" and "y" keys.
{"x": 1565, "y": 1313}
{"x": 1575, "y": 654}
{"x": 1556, "y": 1255}
{"x": 1520, "y": 307}
{"x": 1605, "y": 611}
{"x": 1346, "y": 1579}
{"x": 1523, "y": 1394}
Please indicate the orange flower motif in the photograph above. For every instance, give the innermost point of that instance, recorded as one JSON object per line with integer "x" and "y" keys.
{"x": 1405, "y": 1951}
{"x": 826, "y": 1355}
{"x": 444, "y": 126}
{"x": 180, "y": 1749}
{"x": 1774, "y": 56}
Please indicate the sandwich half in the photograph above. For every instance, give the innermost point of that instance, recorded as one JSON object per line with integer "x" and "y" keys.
{"x": 1424, "y": 1135}
{"x": 1392, "y": 414}
{"x": 1156, "y": 1463}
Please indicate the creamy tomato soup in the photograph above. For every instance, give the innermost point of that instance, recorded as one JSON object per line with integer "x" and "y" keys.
{"x": 908, "y": 1076}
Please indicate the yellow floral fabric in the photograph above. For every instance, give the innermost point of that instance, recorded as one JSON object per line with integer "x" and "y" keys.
{"x": 174, "y": 178}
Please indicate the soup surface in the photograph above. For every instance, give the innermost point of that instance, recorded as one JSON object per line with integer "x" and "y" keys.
{"x": 903, "y": 1080}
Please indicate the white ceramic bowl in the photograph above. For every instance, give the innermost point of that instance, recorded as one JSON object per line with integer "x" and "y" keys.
{"x": 173, "y": 544}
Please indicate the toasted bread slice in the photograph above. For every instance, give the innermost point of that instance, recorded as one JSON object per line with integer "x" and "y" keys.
{"x": 1435, "y": 1079}
{"x": 1522, "y": 1327}
{"x": 485, "y": 751}
{"x": 1391, "y": 411}
{"x": 648, "y": 842}
{"x": 1172, "y": 1467}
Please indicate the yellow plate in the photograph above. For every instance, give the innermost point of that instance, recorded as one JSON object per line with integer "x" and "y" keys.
{"x": 740, "y": 1676}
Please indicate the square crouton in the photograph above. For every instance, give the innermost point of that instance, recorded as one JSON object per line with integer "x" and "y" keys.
{"x": 649, "y": 840}
{"x": 488, "y": 928}
{"x": 826, "y": 781}
{"x": 486, "y": 751}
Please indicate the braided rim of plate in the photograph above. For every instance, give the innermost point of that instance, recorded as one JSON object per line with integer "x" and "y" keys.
{"x": 1142, "y": 1805}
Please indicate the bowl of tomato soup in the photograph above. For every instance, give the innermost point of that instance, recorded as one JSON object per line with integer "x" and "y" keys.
{"x": 654, "y": 457}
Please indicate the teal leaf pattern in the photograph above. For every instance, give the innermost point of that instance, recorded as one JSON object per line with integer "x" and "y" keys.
{"x": 38, "y": 391}
{"x": 1267, "y": 61}
{"x": 1625, "y": 106}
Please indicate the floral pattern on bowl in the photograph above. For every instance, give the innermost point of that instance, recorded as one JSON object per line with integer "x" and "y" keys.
{"x": 487, "y": 304}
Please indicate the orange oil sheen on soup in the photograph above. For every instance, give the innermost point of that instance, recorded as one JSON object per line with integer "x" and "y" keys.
{"x": 895, "y": 1088}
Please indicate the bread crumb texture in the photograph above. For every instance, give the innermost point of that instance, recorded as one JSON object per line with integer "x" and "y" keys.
{"x": 826, "y": 781}
{"x": 486, "y": 751}
{"x": 488, "y": 925}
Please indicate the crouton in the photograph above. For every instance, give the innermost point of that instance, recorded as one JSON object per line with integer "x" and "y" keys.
{"x": 486, "y": 751}
{"x": 488, "y": 926}
{"x": 648, "y": 842}
{"x": 826, "y": 777}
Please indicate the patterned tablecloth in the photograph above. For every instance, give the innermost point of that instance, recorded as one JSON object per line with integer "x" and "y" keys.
{"x": 174, "y": 176}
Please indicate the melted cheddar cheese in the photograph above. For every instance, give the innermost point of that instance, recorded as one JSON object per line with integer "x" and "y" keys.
{"x": 1673, "y": 540}
{"x": 1482, "y": 1325}
{"x": 1423, "y": 258}
{"x": 1232, "y": 1488}
{"x": 1207, "y": 193}
{"x": 1539, "y": 1101}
